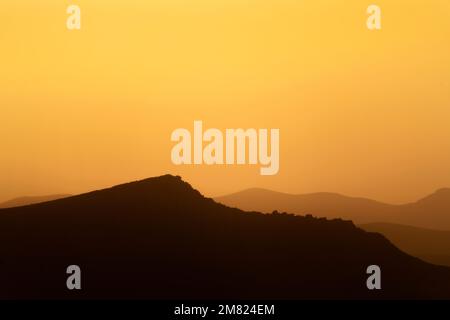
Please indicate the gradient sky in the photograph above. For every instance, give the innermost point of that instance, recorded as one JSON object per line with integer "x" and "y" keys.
{"x": 360, "y": 112}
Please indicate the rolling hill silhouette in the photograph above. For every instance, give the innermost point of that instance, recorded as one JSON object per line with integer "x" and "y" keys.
{"x": 23, "y": 201}
{"x": 430, "y": 245}
{"x": 432, "y": 211}
{"x": 160, "y": 239}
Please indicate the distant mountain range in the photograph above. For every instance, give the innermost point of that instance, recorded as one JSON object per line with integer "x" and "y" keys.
{"x": 23, "y": 201}
{"x": 160, "y": 238}
{"x": 432, "y": 211}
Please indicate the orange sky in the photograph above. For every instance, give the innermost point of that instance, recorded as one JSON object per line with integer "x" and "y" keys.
{"x": 360, "y": 112}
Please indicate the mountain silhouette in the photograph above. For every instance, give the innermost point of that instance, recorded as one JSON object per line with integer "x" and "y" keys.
{"x": 23, "y": 201}
{"x": 428, "y": 244}
{"x": 161, "y": 239}
{"x": 432, "y": 211}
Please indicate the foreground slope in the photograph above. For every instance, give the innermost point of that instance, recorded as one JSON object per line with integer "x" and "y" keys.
{"x": 428, "y": 244}
{"x": 159, "y": 238}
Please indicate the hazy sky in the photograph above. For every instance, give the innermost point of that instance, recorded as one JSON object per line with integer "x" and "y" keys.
{"x": 364, "y": 113}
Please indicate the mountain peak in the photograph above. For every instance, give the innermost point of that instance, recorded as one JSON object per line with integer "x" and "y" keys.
{"x": 162, "y": 189}
{"x": 443, "y": 191}
{"x": 155, "y": 191}
{"x": 152, "y": 183}
{"x": 438, "y": 197}
{"x": 166, "y": 178}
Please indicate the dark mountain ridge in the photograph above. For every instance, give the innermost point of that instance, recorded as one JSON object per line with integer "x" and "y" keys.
{"x": 160, "y": 239}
